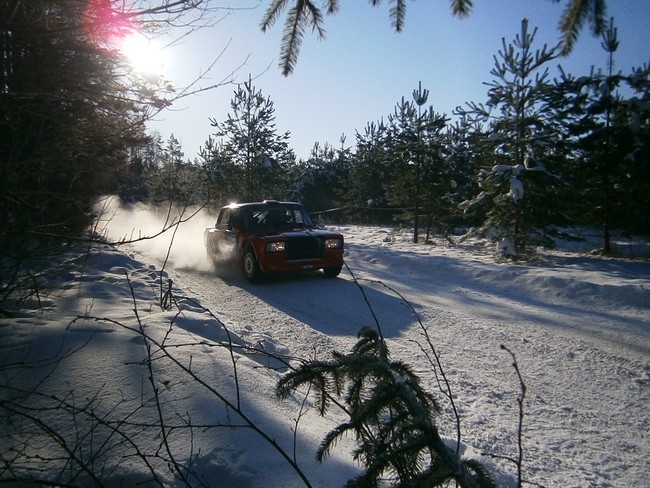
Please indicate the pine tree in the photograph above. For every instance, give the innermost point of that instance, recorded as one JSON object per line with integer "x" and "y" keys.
{"x": 369, "y": 174}
{"x": 574, "y": 16}
{"x": 420, "y": 97}
{"x": 637, "y": 181}
{"x": 606, "y": 132}
{"x": 608, "y": 101}
{"x": 318, "y": 181}
{"x": 519, "y": 184}
{"x": 307, "y": 14}
{"x": 70, "y": 117}
{"x": 416, "y": 143}
{"x": 175, "y": 180}
{"x": 224, "y": 180}
{"x": 404, "y": 160}
{"x": 391, "y": 417}
{"x": 465, "y": 157}
{"x": 251, "y": 142}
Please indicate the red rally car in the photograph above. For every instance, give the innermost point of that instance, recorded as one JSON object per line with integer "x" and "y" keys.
{"x": 271, "y": 237}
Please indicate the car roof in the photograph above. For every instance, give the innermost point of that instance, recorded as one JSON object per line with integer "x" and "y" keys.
{"x": 265, "y": 203}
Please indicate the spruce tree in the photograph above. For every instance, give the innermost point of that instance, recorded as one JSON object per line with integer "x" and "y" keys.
{"x": 391, "y": 417}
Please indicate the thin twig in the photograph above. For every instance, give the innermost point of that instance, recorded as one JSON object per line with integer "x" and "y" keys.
{"x": 520, "y": 427}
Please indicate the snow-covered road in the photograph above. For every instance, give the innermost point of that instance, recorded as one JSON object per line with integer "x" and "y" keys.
{"x": 98, "y": 349}
{"x": 578, "y": 325}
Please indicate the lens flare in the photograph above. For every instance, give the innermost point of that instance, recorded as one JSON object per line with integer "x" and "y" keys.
{"x": 105, "y": 24}
{"x": 109, "y": 27}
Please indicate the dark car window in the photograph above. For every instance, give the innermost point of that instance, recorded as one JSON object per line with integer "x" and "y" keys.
{"x": 300, "y": 217}
{"x": 274, "y": 216}
{"x": 224, "y": 216}
{"x": 255, "y": 218}
{"x": 233, "y": 220}
{"x": 279, "y": 216}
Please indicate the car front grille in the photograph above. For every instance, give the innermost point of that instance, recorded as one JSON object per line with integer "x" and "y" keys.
{"x": 304, "y": 248}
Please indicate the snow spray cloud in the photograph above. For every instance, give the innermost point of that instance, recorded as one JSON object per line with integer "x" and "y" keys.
{"x": 144, "y": 225}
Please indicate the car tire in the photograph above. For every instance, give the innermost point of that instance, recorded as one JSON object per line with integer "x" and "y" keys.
{"x": 332, "y": 272}
{"x": 250, "y": 266}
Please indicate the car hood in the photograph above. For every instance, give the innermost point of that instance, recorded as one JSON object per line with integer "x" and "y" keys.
{"x": 290, "y": 233}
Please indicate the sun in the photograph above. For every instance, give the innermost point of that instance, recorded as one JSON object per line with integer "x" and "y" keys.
{"x": 144, "y": 55}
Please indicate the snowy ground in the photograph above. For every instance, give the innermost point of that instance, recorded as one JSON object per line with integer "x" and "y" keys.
{"x": 578, "y": 324}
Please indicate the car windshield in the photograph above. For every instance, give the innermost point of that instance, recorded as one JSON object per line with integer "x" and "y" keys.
{"x": 277, "y": 216}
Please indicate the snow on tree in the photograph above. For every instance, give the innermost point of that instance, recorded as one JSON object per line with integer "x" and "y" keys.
{"x": 517, "y": 183}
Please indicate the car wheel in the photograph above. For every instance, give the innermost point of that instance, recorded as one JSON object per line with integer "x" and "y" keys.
{"x": 332, "y": 272}
{"x": 250, "y": 266}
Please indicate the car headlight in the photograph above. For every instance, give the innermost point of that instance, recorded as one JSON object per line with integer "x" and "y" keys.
{"x": 276, "y": 246}
{"x": 333, "y": 243}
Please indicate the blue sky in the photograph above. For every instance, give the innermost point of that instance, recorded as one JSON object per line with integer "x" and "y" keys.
{"x": 363, "y": 68}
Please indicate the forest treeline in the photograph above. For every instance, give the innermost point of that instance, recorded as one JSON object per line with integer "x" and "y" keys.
{"x": 538, "y": 154}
